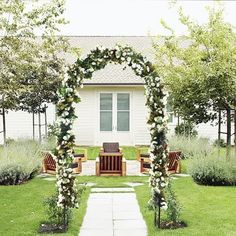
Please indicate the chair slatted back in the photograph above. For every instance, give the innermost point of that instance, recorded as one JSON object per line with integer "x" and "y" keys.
{"x": 173, "y": 160}
{"x": 111, "y": 147}
{"x": 49, "y": 161}
{"x": 110, "y": 164}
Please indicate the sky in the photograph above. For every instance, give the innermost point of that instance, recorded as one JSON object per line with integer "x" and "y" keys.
{"x": 134, "y": 17}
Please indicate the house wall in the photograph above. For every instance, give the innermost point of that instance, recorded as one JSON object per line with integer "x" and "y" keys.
{"x": 86, "y": 126}
{"x": 19, "y": 124}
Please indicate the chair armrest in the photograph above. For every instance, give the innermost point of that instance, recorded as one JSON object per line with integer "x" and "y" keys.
{"x": 76, "y": 159}
{"x": 85, "y": 150}
{"x": 138, "y": 152}
{"x": 101, "y": 149}
{"x": 120, "y": 149}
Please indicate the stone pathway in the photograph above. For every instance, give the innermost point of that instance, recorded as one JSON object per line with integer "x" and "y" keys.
{"x": 111, "y": 212}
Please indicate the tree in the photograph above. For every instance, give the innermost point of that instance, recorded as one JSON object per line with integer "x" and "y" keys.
{"x": 199, "y": 68}
{"x": 31, "y": 67}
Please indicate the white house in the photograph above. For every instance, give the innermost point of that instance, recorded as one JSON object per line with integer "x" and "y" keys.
{"x": 113, "y": 102}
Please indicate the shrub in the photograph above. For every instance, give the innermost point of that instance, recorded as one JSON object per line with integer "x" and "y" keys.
{"x": 55, "y": 214}
{"x": 19, "y": 161}
{"x": 213, "y": 170}
{"x": 190, "y": 147}
{"x": 220, "y": 143}
{"x": 173, "y": 210}
{"x": 57, "y": 218}
{"x": 186, "y": 129}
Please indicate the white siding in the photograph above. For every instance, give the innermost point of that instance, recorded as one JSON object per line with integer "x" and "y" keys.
{"x": 141, "y": 130}
{"x": 84, "y": 125}
{"x": 19, "y": 124}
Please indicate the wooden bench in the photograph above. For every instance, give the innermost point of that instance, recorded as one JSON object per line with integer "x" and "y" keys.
{"x": 49, "y": 164}
{"x": 173, "y": 163}
{"x": 110, "y": 161}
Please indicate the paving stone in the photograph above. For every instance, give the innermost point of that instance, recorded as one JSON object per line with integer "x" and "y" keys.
{"x": 101, "y": 195}
{"x": 96, "y": 232}
{"x": 124, "y": 208}
{"x": 97, "y": 224}
{"x": 129, "y": 232}
{"x": 94, "y": 215}
{"x": 89, "y": 184}
{"x": 97, "y": 190}
{"x": 129, "y": 224}
{"x": 50, "y": 179}
{"x": 134, "y": 184}
{"x": 182, "y": 175}
{"x": 126, "y": 215}
{"x": 111, "y": 190}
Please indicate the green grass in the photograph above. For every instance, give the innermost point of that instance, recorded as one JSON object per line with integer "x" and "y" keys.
{"x": 207, "y": 210}
{"x": 21, "y": 208}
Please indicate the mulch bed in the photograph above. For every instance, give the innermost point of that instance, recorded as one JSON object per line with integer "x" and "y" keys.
{"x": 172, "y": 225}
{"x": 51, "y": 228}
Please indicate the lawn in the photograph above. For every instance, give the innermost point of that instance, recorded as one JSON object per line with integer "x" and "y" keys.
{"x": 206, "y": 210}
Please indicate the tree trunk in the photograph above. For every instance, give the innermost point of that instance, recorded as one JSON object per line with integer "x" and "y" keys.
{"x": 228, "y": 127}
{"x": 33, "y": 126}
{"x": 235, "y": 129}
{"x": 39, "y": 125}
{"x": 219, "y": 132}
{"x": 4, "y": 126}
{"x": 45, "y": 123}
{"x": 228, "y": 132}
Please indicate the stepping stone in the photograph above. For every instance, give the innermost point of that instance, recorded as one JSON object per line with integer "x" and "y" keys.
{"x": 96, "y": 232}
{"x": 89, "y": 184}
{"x": 129, "y": 224}
{"x": 129, "y": 232}
{"x": 182, "y": 175}
{"x": 111, "y": 190}
{"x": 50, "y": 179}
{"x": 133, "y": 184}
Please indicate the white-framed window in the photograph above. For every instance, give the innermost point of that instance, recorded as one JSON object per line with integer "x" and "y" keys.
{"x": 170, "y": 112}
{"x": 114, "y": 111}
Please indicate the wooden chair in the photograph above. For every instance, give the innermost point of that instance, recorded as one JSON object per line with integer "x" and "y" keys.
{"x": 83, "y": 156}
{"x": 173, "y": 163}
{"x": 49, "y": 164}
{"x": 110, "y": 161}
{"x": 140, "y": 154}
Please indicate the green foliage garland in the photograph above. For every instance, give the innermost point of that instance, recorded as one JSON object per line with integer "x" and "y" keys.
{"x": 156, "y": 101}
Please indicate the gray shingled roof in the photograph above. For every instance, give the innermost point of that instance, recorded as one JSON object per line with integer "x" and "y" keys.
{"x": 113, "y": 74}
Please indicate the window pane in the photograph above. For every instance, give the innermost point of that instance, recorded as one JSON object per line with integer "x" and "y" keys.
{"x": 105, "y": 121}
{"x": 122, "y": 101}
{"x": 105, "y": 101}
{"x": 123, "y": 121}
{"x": 171, "y": 116}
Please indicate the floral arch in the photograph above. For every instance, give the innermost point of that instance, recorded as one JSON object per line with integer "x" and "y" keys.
{"x": 68, "y": 97}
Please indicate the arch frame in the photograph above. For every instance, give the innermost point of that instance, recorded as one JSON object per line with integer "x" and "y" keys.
{"x": 68, "y": 95}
